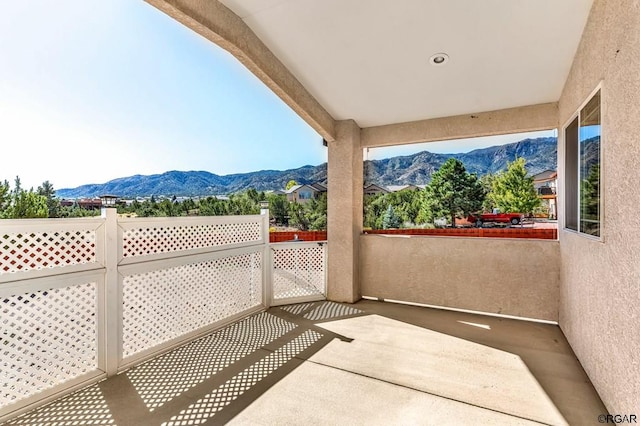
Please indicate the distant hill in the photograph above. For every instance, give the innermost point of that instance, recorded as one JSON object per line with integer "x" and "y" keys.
{"x": 541, "y": 154}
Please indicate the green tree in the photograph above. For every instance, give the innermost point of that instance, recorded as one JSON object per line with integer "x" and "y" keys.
{"x": 487, "y": 184}
{"x": 290, "y": 184}
{"x": 27, "y": 204}
{"x": 452, "y": 191}
{"x": 244, "y": 203}
{"x": 374, "y": 208}
{"x": 21, "y": 204}
{"x": 405, "y": 203}
{"x": 148, "y": 208}
{"x": 188, "y": 206}
{"x": 5, "y": 196}
{"x": 211, "y": 206}
{"x": 590, "y": 202}
{"x": 390, "y": 220}
{"x": 512, "y": 191}
{"x": 317, "y": 212}
{"x": 278, "y": 208}
{"x": 299, "y": 215}
{"x": 168, "y": 208}
{"x": 76, "y": 211}
{"x": 53, "y": 203}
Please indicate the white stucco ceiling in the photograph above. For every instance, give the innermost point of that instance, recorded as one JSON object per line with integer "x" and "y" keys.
{"x": 368, "y": 60}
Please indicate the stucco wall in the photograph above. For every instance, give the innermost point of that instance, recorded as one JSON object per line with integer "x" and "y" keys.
{"x": 600, "y": 281}
{"x": 513, "y": 277}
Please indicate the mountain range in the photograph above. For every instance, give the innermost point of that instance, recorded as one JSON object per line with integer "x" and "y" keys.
{"x": 540, "y": 154}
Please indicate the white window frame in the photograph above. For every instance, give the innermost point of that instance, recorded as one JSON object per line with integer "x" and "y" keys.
{"x": 561, "y": 166}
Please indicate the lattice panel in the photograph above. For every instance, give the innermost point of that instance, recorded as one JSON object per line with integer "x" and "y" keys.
{"x": 167, "y": 303}
{"x": 39, "y": 250}
{"x": 46, "y": 338}
{"x": 206, "y": 407}
{"x": 87, "y": 407}
{"x": 167, "y": 239}
{"x": 298, "y": 272}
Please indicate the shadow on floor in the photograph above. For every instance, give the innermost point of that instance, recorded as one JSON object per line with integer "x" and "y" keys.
{"x": 214, "y": 379}
{"x": 210, "y": 379}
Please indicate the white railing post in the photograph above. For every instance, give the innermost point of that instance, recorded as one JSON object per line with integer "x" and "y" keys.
{"x": 113, "y": 294}
{"x": 267, "y": 270}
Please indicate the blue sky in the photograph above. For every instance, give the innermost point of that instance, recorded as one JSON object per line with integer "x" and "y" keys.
{"x": 92, "y": 90}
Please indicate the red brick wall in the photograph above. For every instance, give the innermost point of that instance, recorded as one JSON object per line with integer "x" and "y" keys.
{"x": 540, "y": 234}
{"x": 283, "y": 236}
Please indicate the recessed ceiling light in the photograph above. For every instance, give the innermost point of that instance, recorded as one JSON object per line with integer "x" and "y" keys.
{"x": 439, "y": 59}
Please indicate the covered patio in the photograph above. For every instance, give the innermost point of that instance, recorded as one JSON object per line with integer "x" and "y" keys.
{"x": 366, "y": 363}
{"x": 361, "y": 76}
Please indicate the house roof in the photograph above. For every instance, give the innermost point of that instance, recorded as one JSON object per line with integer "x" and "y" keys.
{"x": 293, "y": 189}
{"x": 319, "y": 186}
{"x": 370, "y": 61}
{"x": 374, "y": 187}
{"x": 546, "y": 175}
{"x": 298, "y": 187}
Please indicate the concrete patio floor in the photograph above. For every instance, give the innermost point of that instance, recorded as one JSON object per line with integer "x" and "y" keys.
{"x": 326, "y": 363}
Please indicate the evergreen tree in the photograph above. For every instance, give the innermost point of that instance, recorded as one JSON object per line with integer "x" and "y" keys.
{"x": 21, "y": 204}
{"x": 298, "y": 216}
{"x": 374, "y": 208}
{"x": 317, "y": 213}
{"x": 211, "y": 206}
{"x": 406, "y": 205}
{"x": 26, "y": 205}
{"x": 278, "y": 208}
{"x": 512, "y": 191}
{"x": 452, "y": 191}
{"x": 487, "y": 184}
{"x": 168, "y": 208}
{"x": 5, "y": 196}
{"x": 590, "y": 202}
{"x": 53, "y": 204}
{"x": 390, "y": 220}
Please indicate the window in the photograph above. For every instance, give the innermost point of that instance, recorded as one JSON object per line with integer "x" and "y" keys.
{"x": 583, "y": 206}
{"x": 304, "y": 195}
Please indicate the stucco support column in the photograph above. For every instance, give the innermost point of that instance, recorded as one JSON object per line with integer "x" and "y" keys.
{"x": 344, "y": 212}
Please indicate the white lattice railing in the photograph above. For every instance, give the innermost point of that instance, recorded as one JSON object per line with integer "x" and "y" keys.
{"x": 164, "y": 301}
{"x": 180, "y": 276}
{"x": 159, "y": 238}
{"x": 30, "y": 248}
{"x": 299, "y": 272}
{"x": 84, "y": 299}
{"x": 48, "y": 336}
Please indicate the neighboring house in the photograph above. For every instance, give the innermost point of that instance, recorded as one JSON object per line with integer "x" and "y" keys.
{"x": 319, "y": 187}
{"x": 373, "y": 189}
{"x": 546, "y": 184}
{"x": 301, "y": 193}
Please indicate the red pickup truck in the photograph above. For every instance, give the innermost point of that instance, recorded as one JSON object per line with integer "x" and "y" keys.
{"x": 512, "y": 218}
